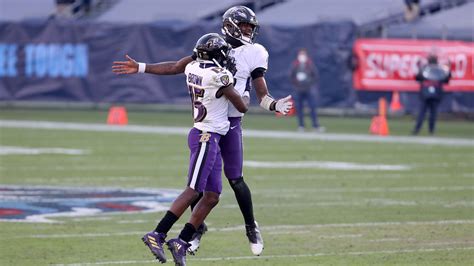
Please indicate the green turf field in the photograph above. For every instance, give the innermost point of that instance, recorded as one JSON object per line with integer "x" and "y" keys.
{"x": 318, "y": 202}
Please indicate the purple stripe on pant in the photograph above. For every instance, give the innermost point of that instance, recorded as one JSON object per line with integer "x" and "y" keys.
{"x": 205, "y": 165}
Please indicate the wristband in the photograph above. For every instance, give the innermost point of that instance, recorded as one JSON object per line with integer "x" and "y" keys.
{"x": 267, "y": 102}
{"x": 141, "y": 67}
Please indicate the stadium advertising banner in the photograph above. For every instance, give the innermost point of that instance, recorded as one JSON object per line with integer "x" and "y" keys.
{"x": 391, "y": 64}
{"x": 44, "y": 60}
{"x": 69, "y": 60}
{"x": 61, "y": 60}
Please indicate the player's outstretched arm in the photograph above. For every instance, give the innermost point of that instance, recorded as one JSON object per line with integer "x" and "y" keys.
{"x": 260, "y": 86}
{"x": 267, "y": 102}
{"x": 131, "y": 66}
{"x": 125, "y": 67}
{"x": 234, "y": 97}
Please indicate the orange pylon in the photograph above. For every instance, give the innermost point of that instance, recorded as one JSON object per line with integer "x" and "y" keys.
{"x": 117, "y": 116}
{"x": 395, "y": 104}
{"x": 379, "y": 124}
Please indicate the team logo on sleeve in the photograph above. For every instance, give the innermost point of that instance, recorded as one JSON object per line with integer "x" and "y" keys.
{"x": 225, "y": 80}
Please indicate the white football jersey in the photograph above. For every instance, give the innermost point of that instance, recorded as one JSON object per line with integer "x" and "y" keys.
{"x": 204, "y": 81}
{"x": 248, "y": 57}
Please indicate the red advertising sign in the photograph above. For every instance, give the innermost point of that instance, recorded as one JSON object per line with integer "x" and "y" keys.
{"x": 391, "y": 64}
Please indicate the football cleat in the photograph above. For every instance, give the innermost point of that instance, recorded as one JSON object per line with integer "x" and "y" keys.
{"x": 196, "y": 240}
{"x": 154, "y": 241}
{"x": 178, "y": 249}
{"x": 255, "y": 238}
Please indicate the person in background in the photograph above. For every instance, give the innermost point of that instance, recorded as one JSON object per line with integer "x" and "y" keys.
{"x": 412, "y": 10}
{"x": 305, "y": 78}
{"x": 64, "y": 8}
{"x": 431, "y": 77}
{"x": 85, "y": 7}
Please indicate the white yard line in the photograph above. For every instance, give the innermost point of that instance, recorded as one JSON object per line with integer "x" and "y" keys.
{"x": 272, "y": 191}
{"x": 304, "y": 232}
{"x": 360, "y": 203}
{"x": 166, "y": 191}
{"x": 276, "y": 228}
{"x": 12, "y": 150}
{"x": 266, "y": 257}
{"x": 364, "y": 174}
{"x": 85, "y": 178}
{"x": 364, "y": 190}
{"x": 449, "y": 243}
{"x": 460, "y": 142}
{"x": 391, "y": 240}
{"x": 352, "y": 225}
{"x": 325, "y": 165}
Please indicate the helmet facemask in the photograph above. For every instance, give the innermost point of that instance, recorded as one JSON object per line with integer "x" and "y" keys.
{"x": 231, "y": 22}
{"x": 231, "y": 29}
{"x": 221, "y": 59}
{"x": 216, "y": 52}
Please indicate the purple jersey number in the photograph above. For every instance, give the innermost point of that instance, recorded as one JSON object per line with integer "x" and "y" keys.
{"x": 199, "y": 110}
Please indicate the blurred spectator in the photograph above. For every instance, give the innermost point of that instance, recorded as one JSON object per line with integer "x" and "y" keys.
{"x": 305, "y": 79}
{"x": 64, "y": 8}
{"x": 412, "y": 9}
{"x": 74, "y": 8}
{"x": 81, "y": 8}
{"x": 431, "y": 77}
{"x": 86, "y": 6}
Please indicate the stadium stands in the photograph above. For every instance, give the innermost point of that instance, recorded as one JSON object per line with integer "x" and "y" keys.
{"x": 145, "y": 11}
{"x": 365, "y": 14}
{"x": 301, "y": 12}
{"x": 330, "y": 28}
{"x": 456, "y": 23}
{"x": 17, "y": 10}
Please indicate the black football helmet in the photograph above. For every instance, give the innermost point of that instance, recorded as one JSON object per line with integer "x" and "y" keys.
{"x": 212, "y": 47}
{"x": 233, "y": 17}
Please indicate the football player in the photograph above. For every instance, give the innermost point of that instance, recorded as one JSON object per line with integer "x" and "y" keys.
{"x": 240, "y": 28}
{"x": 211, "y": 89}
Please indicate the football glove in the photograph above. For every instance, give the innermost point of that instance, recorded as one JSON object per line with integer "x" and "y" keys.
{"x": 284, "y": 105}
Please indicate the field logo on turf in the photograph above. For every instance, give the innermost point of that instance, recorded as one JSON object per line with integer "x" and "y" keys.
{"x": 43, "y": 204}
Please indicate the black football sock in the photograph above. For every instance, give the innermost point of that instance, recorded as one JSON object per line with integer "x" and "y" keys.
{"x": 244, "y": 199}
{"x": 166, "y": 223}
{"x": 187, "y": 232}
